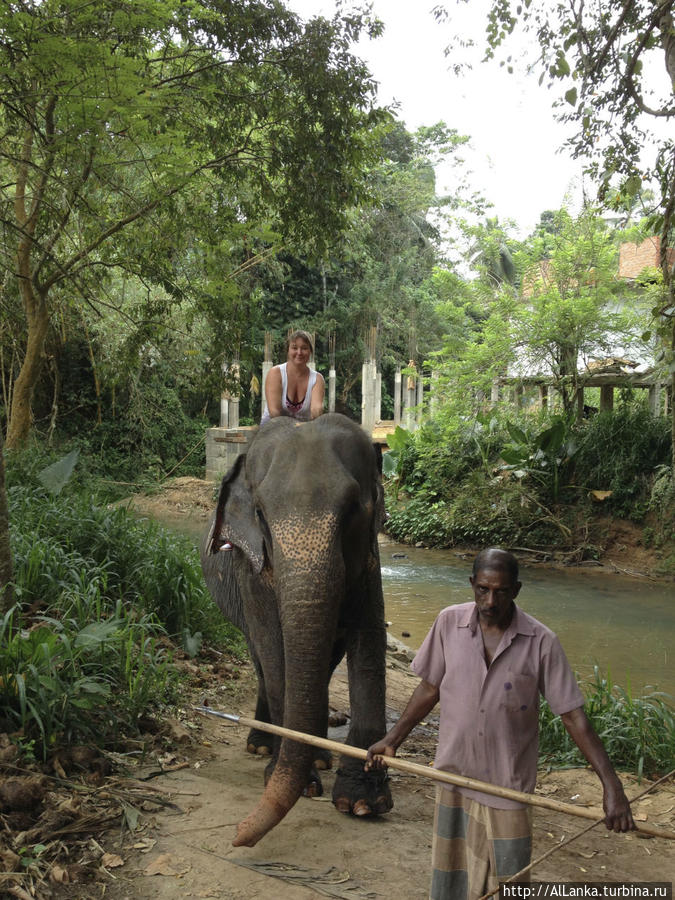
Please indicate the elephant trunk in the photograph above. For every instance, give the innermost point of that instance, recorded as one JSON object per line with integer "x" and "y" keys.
{"x": 281, "y": 793}
{"x": 308, "y": 605}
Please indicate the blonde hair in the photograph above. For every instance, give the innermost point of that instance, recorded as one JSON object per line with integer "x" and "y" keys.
{"x": 294, "y": 335}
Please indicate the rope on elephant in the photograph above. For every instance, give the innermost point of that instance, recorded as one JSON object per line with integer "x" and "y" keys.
{"x": 330, "y": 882}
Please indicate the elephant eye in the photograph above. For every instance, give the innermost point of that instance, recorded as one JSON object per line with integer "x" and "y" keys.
{"x": 353, "y": 509}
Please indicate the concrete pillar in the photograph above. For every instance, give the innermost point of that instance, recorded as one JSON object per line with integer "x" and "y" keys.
{"x": 378, "y": 396}
{"x": 331, "y": 390}
{"x": 397, "y": 396}
{"x": 229, "y": 399}
{"x": 420, "y": 396}
{"x": 266, "y": 366}
{"x": 224, "y": 410}
{"x": 654, "y": 391}
{"x": 433, "y": 392}
{"x": 223, "y": 446}
{"x": 224, "y": 400}
{"x": 580, "y": 402}
{"x": 410, "y": 399}
{"x": 368, "y": 396}
{"x": 518, "y": 396}
{"x": 494, "y": 393}
{"x": 606, "y": 398}
{"x": 543, "y": 395}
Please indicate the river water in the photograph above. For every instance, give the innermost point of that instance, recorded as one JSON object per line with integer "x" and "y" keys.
{"x": 622, "y": 624}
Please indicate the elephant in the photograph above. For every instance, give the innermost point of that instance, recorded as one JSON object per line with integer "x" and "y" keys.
{"x": 298, "y": 515}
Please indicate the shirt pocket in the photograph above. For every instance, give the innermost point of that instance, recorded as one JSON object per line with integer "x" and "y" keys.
{"x": 519, "y": 693}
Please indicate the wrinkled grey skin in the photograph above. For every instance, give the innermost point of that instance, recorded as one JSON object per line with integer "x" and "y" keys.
{"x": 302, "y": 510}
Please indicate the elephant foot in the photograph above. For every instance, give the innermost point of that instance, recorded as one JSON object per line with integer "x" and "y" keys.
{"x": 259, "y": 743}
{"x": 362, "y": 793}
{"x": 313, "y": 788}
{"x": 323, "y": 759}
{"x": 336, "y": 718}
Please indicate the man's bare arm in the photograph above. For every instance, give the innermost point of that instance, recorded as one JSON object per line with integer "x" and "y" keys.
{"x": 422, "y": 701}
{"x": 618, "y": 816}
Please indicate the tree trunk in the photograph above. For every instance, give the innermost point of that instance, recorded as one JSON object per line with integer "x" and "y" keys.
{"x": 27, "y": 205}
{"x": 672, "y": 405}
{"x": 18, "y": 427}
{"x": 6, "y": 591}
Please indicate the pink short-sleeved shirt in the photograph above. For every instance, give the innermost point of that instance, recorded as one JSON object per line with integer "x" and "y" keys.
{"x": 489, "y": 728}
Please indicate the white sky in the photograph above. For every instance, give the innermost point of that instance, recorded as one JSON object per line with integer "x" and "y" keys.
{"x": 509, "y": 119}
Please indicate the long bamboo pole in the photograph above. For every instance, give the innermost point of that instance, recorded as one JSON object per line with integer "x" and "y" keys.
{"x": 427, "y": 772}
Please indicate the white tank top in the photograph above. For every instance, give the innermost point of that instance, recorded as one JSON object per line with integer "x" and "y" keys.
{"x": 301, "y": 411}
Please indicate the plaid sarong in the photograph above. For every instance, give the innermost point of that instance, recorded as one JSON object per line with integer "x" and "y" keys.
{"x": 474, "y": 846}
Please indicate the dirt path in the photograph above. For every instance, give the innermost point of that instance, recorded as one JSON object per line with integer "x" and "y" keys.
{"x": 186, "y": 852}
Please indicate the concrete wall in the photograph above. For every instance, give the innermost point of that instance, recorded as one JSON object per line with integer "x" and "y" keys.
{"x": 223, "y": 446}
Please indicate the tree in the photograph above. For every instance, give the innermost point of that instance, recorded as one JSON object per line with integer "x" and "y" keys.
{"x": 379, "y": 273}
{"x": 572, "y": 309}
{"x": 490, "y": 255}
{"x": 600, "y": 59}
{"x": 6, "y": 592}
{"x": 569, "y": 310}
{"x": 123, "y": 125}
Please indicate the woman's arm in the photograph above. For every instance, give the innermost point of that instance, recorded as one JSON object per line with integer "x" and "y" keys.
{"x": 273, "y": 396}
{"x": 316, "y": 400}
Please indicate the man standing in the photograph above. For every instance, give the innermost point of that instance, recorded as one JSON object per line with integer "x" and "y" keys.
{"x": 487, "y": 662}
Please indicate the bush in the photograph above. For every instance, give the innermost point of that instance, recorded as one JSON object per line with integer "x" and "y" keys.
{"x": 83, "y": 651}
{"x": 80, "y": 678}
{"x": 482, "y": 511}
{"x": 421, "y": 521}
{"x": 638, "y": 732}
{"x": 445, "y": 456}
{"x": 619, "y": 451}
{"x": 68, "y": 540}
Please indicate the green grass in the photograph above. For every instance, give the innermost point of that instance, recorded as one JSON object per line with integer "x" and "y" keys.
{"x": 84, "y": 651}
{"x": 638, "y": 732}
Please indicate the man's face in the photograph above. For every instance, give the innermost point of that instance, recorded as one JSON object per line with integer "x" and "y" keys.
{"x": 494, "y": 593}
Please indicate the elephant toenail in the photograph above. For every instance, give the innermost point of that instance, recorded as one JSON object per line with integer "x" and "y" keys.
{"x": 361, "y": 808}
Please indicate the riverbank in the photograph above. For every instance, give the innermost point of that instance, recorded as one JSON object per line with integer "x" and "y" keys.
{"x": 206, "y": 782}
{"x": 187, "y": 503}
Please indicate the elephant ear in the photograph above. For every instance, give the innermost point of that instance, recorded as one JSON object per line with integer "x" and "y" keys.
{"x": 235, "y": 521}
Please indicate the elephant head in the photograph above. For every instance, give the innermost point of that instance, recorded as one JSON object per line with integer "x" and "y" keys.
{"x": 302, "y": 510}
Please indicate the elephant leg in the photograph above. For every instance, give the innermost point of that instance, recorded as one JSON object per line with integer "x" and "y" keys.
{"x": 323, "y": 759}
{"x": 356, "y": 791}
{"x": 260, "y": 743}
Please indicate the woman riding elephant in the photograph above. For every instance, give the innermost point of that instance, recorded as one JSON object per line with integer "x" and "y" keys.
{"x": 293, "y": 389}
{"x": 302, "y": 510}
